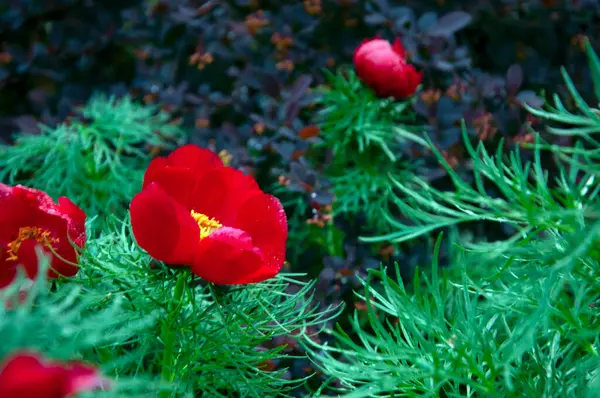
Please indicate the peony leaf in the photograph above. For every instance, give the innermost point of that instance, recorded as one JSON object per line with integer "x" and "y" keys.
{"x": 514, "y": 78}
{"x": 450, "y": 23}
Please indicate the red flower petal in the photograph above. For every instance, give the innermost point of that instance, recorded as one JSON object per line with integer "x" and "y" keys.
{"x": 262, "y": 216}
{"x": 163, "y": 227}
{"x": 383, "y": 68}
{"x": 22, "y": 207}
{"x": 221, "y": 193}
{"x": 227, "y": 257}
{"x": 65, "y": 264}
{"x": 82, "y": 377}
{"x": 28, "y": 258}
{"x": 251, "y": 252}
{"x": 154, "y": 168}
{"x": 24, "y": 376}
{"x": 27, "y": 375}
{"x": 399, "y": 48}
{"x": 179, "y": 173}
{"x": 261, "y": 275}
{"x": 192, "y": 179}
{"x": 177, "y": 182}
{"x": 76, "y": 220}
{"x": 8, "y": 270}
{"x": 14, "y": 212}
{"x": 200, "y": 160}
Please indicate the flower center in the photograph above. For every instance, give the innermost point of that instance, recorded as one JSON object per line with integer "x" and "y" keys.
{"x": 42, "y": 236}
{"x": 207, "y": 225}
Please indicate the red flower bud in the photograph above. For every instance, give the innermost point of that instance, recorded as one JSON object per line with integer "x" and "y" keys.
{"x": 383, "y": 68}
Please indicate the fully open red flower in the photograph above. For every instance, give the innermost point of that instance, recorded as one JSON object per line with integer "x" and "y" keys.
{"x": 382, "y": 66}
{"x": 27, "y": 375}
{"x": 29, "y": 218}
{"x": 194, "y": 211}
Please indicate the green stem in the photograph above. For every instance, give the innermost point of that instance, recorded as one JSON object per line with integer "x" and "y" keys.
{"x": 168, "y": 332}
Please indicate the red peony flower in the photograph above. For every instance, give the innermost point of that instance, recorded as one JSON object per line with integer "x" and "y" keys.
{"x": 383, "y": 68}
{"x": 194, "y": 211}
{"x": 28, "y": 218}
{"x": 26, "y": 375}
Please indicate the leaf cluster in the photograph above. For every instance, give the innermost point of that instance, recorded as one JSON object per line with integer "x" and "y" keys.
{"x": 368, "y": 138}
{"x": 513, "y": 317}
{"x": 96, "y": 159}
{"x": 63, "y": 322}
{"x": 222, "y": 336}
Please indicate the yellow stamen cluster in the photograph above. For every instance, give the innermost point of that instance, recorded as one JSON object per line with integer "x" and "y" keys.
{"x": 42, "y": 237}
{"x": 207, "y": 225}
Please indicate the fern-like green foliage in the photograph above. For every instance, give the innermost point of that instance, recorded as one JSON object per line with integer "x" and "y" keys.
{"x": 96, "y": 160}
{"x": 523, "y": 326}
{"x": 583, "y": 125}
{"x": 157, "y": 331}
{"x": 525, "y": 200}
{"x": 514, "y": 317}
{"x": 365, "y": 190}
{"x": 65, "y": 323}
{"x": 367, "y": 136}
{"x": 354, "y": 119}
{"x": 216, "y": 333}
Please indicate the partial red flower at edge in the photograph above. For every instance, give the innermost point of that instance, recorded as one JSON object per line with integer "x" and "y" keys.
{"x": 28, "y": 218}
{"x": 194, "y": 211}
{"x": 28, "y": 375}
{"x": 382, "y": 66}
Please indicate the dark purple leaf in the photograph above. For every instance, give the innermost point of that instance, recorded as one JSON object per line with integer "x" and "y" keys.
{"x": 291, "y": 112}
{"x": 514, "y": 78}
{"x": 271, "y": 85}
{"x": 443, "y": 65}
{"x": 327, "y": 275}
{"x": 297, "y": 187}
{"x": 38, "y": 96}
{"x": 64, "y": 107}
{"x": 27, "y": 124}
{"x": 287, "y": 133}
{"x": 375, "y": 19}
{"x": 323, "y": 197}
{"x": 297, "y": 171}
{"x": 384, "y": 5}
{"x": 427, "y": 20}
{"x": 450, "y": 23}
{"x": 300, "y": 87}
{"x": 284, "y": 149}
{"x": 194, "y": 99}
{"x": 421, "y": 108}
{"x": 530, "y": 98}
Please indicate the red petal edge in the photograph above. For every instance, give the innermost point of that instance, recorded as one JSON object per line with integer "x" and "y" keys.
{"x": 227, "y": 257}
{"x": 163, "y": 227}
